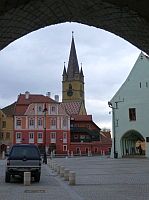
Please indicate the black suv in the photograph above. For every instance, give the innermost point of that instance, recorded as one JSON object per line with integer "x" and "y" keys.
{"x": 23, "y": 158}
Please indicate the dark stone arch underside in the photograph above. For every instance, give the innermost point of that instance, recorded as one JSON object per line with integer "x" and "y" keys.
{"x": 127, "y": 19}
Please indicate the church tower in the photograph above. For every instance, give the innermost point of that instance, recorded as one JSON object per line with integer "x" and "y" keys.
{"x": 73, "y": 79}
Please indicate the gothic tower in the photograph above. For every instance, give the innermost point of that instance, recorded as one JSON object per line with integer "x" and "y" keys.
{"x": 73, "y": 79}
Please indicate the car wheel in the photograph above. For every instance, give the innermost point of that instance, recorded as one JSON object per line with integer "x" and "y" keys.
{"x": 7, "y": 177}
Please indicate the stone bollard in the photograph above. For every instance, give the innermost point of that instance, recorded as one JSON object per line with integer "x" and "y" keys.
{"x": 55, "y": 167}
{"x": 51, "y": 164}
{"x": 71, "y": 153}
{"x": 58, "y": 169}
{"x": 27, "y": 178}
{"x": 66, "y": 174}
{"x": 62, "y": 171}
{"x": 72, "y": 178}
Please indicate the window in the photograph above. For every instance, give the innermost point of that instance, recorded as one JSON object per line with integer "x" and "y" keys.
{"x": 31, "y": 135}
{"x": 53, "y": 109}
{"x": 64, "y": 135}
{"x": 39, "y": 135}
{"x": 1, "y": 135}
{"x": 53, "y": 135}
{"x": 31, "y": 122}
{"x": 18, "y": 122}
{"x": 53, "y": 121}
{"x": 40, "y": 122}
{"x": 3, "y": 124}
{"x": 18, "y": 135}
{"x": 65, "y": 122}
{"x": 7, "y": 135}
{"x": 132, "y": 114}
{"x": 40, "y": 109}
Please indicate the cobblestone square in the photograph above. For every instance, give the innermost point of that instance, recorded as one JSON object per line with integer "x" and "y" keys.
{"x": 96, "y": 178}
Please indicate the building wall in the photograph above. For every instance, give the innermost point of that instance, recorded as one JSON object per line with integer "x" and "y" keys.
{"x": 51, "y": 124}
{"x": 6, "y": 131}
{"x": 77, "y": 88}
{"x": 134, "y": 93}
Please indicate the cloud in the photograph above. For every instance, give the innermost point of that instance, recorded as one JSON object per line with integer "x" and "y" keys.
{"x": 35, "y": 63}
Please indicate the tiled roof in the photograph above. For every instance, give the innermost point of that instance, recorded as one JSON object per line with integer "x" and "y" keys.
{"x": 34, "y": 98}
{"x": 9, "y": 110}
{"x": 81, "y": 117}
{"x": 105, "y": 137}
{"x": 23, "y": 103}
{"x": 73, "y": 107}
{"x": 20, "y": 109}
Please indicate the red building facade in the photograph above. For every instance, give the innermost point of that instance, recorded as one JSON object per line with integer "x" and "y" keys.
{"x": 41, "y": 120}
{"x": 86, "y": 137}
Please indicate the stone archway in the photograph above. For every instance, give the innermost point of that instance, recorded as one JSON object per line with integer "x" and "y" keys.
{"x": 132, "y": 144}
{"x": 127, "y": 19}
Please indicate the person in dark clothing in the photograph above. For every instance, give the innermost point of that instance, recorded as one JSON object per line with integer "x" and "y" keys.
{"x": 45, "y": 158}
{"x": 140, "y": 149}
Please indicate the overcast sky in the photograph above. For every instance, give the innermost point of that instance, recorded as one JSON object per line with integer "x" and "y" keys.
{"x": 35, "y": 63}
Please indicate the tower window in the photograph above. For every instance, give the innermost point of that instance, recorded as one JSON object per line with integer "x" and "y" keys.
{"x": 140, "y": 84}
{"x": 132, "y": 114}
{"x": 3, "y": 124}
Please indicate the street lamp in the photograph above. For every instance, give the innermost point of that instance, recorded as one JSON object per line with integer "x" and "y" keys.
{"x": 45, "y": 142}
{"x": 113, "y": 119}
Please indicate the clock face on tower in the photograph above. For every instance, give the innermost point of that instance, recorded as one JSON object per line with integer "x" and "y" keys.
{"x": 70, "y": 91}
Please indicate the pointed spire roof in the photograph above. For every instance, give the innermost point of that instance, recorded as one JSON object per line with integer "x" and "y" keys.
{"x": 73, "y": 66}
{"x": 81, "y": 71}
{"x": 64, "y": 70}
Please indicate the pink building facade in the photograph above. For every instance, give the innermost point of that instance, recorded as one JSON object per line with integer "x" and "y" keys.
{"x": 40, "y": 120}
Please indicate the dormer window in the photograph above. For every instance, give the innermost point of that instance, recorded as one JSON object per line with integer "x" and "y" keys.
{"x": 40, "y": 109}
{"x": 18, "y": 122}
{"x": 53, "y": 109}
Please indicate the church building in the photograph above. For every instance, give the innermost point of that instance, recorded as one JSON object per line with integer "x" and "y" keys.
{"x": 85, "y": 135}
{"x": 73, "y": 84}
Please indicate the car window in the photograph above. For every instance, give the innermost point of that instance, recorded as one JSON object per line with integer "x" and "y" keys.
{"x": 24, "y": 152}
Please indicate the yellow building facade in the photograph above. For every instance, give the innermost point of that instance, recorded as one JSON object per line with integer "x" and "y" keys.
{"x": 6, "y": 127}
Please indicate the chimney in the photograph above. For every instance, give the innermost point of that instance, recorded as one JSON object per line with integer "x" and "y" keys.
{"x": 27, "y": 95}
{"x": 56, "y": 98}
{"x": 48, "y": 94}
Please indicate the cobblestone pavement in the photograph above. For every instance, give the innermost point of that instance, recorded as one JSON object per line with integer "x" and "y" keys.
{"x": 97, "y": 178}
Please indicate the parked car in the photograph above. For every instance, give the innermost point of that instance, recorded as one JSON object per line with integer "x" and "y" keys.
{"x": 23, "y": 158}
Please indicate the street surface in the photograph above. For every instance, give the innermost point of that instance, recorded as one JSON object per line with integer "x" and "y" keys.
{"x": 97, "y": 178}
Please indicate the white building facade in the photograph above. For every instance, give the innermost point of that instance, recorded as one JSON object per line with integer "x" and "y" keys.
{"x": 130, "y": 112}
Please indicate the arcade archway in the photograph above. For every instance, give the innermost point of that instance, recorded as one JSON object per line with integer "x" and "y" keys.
{"x": 127, "y": 19}
{"x": 132, "y": 144}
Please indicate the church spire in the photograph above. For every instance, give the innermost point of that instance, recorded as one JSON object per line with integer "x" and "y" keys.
{"x": 73, "y": 67}
{"x": 64, "y": 73}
